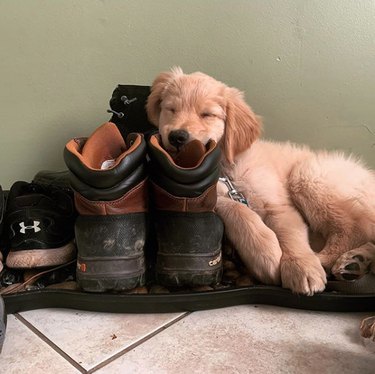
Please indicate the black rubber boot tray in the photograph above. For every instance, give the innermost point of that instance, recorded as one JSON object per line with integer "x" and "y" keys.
{"x": 187, "y": 301}
{"x": 57, "y": 288}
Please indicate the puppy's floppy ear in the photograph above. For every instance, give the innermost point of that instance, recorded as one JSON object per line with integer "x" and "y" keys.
{"x": 157, "y": 89}
{"x": 242, "y": 126}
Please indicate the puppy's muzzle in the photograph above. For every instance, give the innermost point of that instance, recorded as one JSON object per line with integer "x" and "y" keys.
{"x": 178, "y": 138}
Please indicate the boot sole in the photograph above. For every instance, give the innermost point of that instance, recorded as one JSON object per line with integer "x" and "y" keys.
{"x": 180, "y": 278}
{"x": 117, "y": 273}
{"x": 183, "y": 269}
{"x": 37, "y": 258}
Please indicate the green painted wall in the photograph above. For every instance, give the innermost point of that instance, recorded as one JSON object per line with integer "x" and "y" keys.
{"x": 307, "y": 66}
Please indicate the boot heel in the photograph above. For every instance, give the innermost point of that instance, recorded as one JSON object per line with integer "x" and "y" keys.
{"x": 111, "y": 252}
{"x": 189, "y": 248}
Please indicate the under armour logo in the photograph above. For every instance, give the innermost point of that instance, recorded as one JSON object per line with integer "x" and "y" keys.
{"x": 34, "y": 227}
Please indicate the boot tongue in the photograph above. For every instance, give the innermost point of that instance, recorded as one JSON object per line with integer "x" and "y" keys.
{"x": 190, "y": 154}
{"x": 102, "y": 148}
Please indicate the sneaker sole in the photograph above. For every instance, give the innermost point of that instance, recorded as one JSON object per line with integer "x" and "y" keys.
{"x": 37, "y": 258}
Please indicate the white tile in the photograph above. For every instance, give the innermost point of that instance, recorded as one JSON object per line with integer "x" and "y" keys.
{"x": 90, "y": 337}
{"x": 25, "y": 352}
{"x": 249, "y": 339}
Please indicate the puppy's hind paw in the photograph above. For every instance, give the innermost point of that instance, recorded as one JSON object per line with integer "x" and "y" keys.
{"x": 303, "y": 275}
{"x": 354, "y": 264}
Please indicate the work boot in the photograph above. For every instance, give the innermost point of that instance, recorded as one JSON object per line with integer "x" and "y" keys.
{"x": 109, "y": 179}
{"x": 189, "y": 233}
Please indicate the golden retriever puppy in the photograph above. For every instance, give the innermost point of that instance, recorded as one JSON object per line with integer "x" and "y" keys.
{"x": 289, "y": 188}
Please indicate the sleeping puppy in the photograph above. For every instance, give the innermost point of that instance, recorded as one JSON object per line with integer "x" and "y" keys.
{"x": 290, "y": 188}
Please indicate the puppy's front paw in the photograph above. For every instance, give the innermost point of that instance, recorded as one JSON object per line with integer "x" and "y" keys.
{"x": 304, "y": 275}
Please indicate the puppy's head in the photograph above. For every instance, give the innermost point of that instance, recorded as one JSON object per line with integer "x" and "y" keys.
{"x": 193, "y": 106}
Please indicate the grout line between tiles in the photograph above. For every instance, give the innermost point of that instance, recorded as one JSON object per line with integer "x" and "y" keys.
{"x": 50, "y": 343}
{"x": 137, "y": 343}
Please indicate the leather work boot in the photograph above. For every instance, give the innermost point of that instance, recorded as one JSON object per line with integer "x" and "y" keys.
{"x": 109, "y": 179}
{"x": 189, "y": 233}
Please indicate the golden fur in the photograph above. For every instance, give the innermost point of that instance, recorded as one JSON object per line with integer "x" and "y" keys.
{"x": 290, "y": 188}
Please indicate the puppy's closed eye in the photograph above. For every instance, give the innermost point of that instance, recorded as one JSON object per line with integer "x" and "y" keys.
{"x": 207, "y": 115}
{"x": 170, "y": 110}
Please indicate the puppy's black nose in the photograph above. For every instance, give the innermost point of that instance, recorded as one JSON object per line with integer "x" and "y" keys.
{"x": 178, "y": 138}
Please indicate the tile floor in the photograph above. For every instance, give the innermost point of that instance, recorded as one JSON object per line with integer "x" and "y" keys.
{"x": 243, "y": 339}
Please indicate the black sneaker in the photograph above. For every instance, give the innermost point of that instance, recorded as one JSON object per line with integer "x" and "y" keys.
{"x": 58, "y": 179}
{"x": 40, "y": 226}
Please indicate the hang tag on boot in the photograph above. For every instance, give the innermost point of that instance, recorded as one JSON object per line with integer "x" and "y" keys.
{"x": 107, "y": 164}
